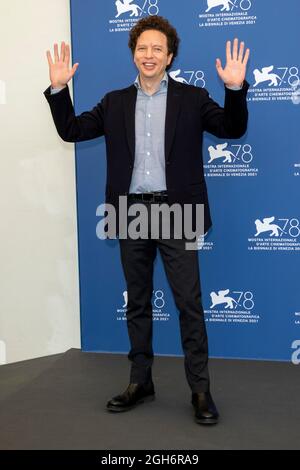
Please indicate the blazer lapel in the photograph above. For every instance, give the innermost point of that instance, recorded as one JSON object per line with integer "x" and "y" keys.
{"x": 173, "y": 106}
{"x": 129, "y": 103}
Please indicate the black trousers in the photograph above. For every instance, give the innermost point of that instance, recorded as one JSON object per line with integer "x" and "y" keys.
{"x": 182, "y": 270}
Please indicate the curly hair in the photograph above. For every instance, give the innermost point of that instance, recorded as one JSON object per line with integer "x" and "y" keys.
{"x": 160, "y": 24}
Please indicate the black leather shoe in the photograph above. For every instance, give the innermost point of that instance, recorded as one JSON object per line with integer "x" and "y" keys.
{"x": 134, "y": 394}
{"x": 205, "y": 409}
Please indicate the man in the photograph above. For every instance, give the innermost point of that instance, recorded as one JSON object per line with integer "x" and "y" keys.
{"x": 153, "y": 131}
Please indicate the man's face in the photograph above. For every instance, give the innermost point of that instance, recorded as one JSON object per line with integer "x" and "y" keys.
{"x": 151, "y": 54}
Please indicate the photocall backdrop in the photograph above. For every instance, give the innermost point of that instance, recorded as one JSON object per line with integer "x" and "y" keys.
{"x": 249, "y": 263}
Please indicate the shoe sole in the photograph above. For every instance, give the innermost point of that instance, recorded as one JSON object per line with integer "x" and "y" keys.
{"x": 115, "y": 409}
{"x": 207, "y": 421}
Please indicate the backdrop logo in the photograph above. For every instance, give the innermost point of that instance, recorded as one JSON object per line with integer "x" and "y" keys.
{"x": 128, "y": 12}
{"x": 268, "y": 226}
{"x": 221, "y": 298}
{"x": 219, "y": 13}
{"x": 2, "y": 353}
{"x": 296, "y": 353}
{"x": 266, "y": 75}
{"x": 231, "y": 307}
{"x": 230, "y": 160}
{"x": 275, "y": 235}
{"x": 272, "y": 83}
{"x": 127, "y": 7}
{"x": 190, "y": 77}
{"x": 228, "y": 5}
{"x": 2, "y": 92}
{"x": 158, "y": 306}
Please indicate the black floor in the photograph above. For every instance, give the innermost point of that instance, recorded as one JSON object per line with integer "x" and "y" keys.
{"x": 58, "y": 402}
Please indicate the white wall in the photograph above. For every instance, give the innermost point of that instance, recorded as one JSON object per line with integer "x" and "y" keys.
{"x": 39, "y": 291}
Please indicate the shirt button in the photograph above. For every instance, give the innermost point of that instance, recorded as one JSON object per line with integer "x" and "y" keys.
{"x": 149, "y": 115}
{"x": 147, "y": 172}
{"x": 148, "y": 153}
{"x": 148, "y": 134}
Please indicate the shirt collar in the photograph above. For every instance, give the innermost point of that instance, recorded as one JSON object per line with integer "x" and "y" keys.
{"x": 163, "y": 83}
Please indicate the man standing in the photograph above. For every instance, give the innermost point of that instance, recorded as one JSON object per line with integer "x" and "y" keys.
{"x": 153, "y": 131}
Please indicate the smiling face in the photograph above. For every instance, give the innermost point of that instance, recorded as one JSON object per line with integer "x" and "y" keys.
{"x": 151, "y": 55}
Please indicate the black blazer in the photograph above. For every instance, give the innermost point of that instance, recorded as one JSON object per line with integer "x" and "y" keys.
{"x": 190, "y": 112}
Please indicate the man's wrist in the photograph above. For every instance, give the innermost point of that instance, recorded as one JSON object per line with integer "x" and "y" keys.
{"x": 57, "y": 86}
{"x": 234, "y": 86}
{"x": 54, "y": 91}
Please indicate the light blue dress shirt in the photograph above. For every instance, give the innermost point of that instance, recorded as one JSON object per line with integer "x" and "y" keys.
{"x": 149, "y": 163}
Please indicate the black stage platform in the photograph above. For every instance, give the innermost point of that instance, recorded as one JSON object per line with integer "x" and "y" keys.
{"x": 58, "y": 402}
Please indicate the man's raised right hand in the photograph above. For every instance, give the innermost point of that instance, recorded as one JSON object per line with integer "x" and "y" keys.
{"x": 59, "y": 70}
